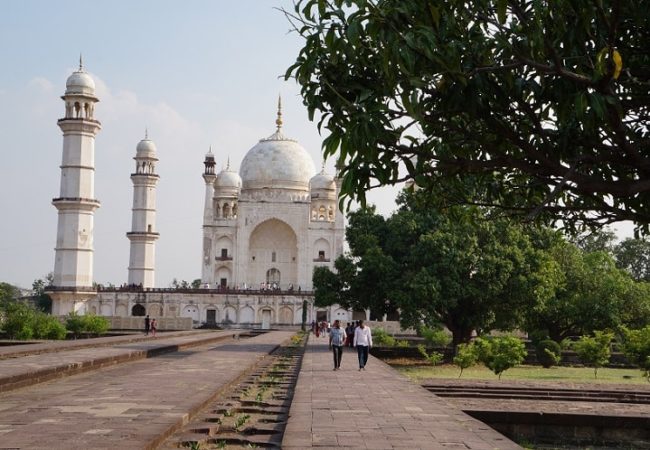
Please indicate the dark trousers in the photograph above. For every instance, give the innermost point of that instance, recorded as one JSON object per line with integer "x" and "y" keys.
{"x": 337, "y": 350}
{"x": 362, "y": 350}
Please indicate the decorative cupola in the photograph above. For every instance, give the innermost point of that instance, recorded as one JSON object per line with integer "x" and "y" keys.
{"x": 209, "y": 163}
{"x": 323, "y": 196}
{"x": 226, "y": 193}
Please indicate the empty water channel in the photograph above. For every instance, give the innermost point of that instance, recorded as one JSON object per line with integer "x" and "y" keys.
{"x": 557, "y": 418}
{"x": 254, "y": 413}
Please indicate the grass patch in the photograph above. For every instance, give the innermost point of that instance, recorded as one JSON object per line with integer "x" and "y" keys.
{"x": 527, "y": 373}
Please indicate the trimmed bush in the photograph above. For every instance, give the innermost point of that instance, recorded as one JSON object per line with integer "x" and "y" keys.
{"x": 549, "y": 353}
{"x": 594, "y": 351}
{"x": 500, "y": 353}
{"x": 466, "y": 356}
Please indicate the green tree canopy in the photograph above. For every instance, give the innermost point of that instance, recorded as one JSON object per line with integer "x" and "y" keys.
{"x": 459, "y": 269}
{"x": 539, "y": 108}
{"x": 590, "y": 292}
{"x": 633, "y": 255}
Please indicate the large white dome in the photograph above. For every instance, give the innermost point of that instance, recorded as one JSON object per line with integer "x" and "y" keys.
{"x": 278, "y": 163}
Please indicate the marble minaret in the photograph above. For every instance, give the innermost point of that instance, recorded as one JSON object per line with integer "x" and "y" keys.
{"x": 76, "y": 203}
{"x": 143, "y": 234}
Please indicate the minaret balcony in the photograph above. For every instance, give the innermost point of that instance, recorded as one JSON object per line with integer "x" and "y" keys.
{"x": 142, "y": 235}
{"x": 75, "y": 203}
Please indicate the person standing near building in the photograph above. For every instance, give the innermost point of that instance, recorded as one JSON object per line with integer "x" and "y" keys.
{"x": 147, "y": 325}
{"x": 337, "y": 339}
{"x": 154, "y": 327}
{"x": 363, "y": 343}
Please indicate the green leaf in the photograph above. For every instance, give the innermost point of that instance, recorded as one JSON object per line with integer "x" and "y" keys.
{"x": 501, "y": 10}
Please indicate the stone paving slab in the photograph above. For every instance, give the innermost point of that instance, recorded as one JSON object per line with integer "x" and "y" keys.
{"x": 34, "y": 348}
{"x": 32, "y": 369}
{"x": 135, "y": 405}
{"x": 375, "y": 409}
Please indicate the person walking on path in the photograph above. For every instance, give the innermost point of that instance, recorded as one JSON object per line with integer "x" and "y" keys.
{"x": 363, "y": 343}
{"x": 337, "y": 339}
{"x": 154, "y": 326}
{"x": 147, "y": 325}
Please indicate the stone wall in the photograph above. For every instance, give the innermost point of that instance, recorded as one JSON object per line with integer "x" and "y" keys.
{"x": 163, "y": 323}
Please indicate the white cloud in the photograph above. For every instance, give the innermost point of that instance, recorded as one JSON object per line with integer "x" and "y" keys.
{"x": 41, "y": 83}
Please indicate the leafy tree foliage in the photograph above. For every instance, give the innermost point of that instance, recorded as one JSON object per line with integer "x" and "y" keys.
{"x": 43, "y": 300}
{"x": 590, "y": 293}
{"x": 8, "y": 293}
{"x": 594, "y": 351}
{"x": 539, "y": 108}
{"x": 636, "y": 347}
{"x": 596, "y": 241}
{"x": 458, "y": 269}
{"x": 633, "y": 255}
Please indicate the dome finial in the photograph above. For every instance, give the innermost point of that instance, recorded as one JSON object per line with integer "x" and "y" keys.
{"x": 278, "y": 121}
{"x": 81, "y": 62}
{"x": 228, "y": 163}
{"x": 146, "y": 133}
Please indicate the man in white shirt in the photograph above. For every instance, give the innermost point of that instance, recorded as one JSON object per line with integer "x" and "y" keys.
{"x": 363, "y": 343}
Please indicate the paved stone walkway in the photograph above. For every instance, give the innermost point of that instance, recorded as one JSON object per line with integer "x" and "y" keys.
{"x": 375, "y": 409}
{"x": 55, "y": 362}
{"x": 133, "y": 405}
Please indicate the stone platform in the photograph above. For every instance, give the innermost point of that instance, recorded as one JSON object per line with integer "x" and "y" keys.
{"x": 133, "y": 405}
{"x": 375, "y": 409}
{"x": 31, "y": 364}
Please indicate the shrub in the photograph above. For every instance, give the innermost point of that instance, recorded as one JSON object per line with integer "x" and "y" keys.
{"x": 636, "y": 347}
{"x": 594, "y": 351}
{"x": 95, "y": 324}
{"x": 90, "y": 323}
{"x": 466, "y": 356}
{"x": 19, "y": 321}
{"x": 24, "y": 322}
{"x": 435, "y": 337}
{"x": 549, "y": 353}
{"x": 434, "y": 358}
{"x": 75, "y": 324}
{"x": 500, "y": 353}
{"x": 382, "y": 339}
{"x": 403, "y": 343}
{"x": 48, "y": 327}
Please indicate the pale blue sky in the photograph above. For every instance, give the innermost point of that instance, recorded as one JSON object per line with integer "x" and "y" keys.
{"x": 196, "y": 73}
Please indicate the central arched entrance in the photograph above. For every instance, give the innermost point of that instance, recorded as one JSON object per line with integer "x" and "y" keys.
{"x": 273, "y": 254}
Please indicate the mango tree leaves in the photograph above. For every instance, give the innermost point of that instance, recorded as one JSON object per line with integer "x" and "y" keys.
{"x": 538, "y": 108}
